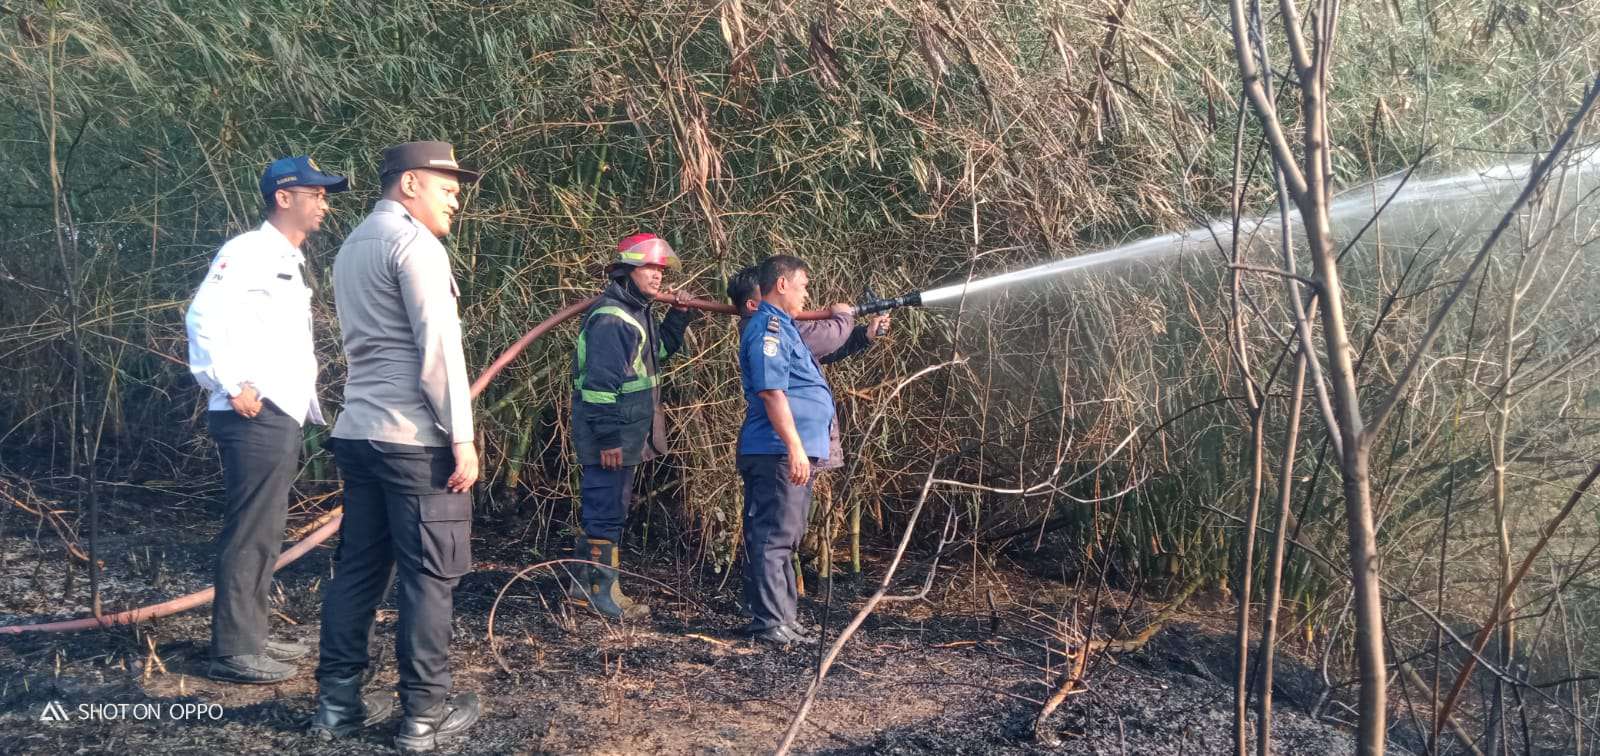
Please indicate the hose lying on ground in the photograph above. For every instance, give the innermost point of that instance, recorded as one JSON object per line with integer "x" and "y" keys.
{"x": 200, "y": 598}
{"x": 182, "y": 603}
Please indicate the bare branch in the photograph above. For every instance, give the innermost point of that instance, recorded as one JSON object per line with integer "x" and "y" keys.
{"x": 1267, "y": 112}
{"x": 1310, "y": 283}
{"x": 1535, "y": 179}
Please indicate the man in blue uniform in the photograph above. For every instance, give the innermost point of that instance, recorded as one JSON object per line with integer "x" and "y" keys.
{"x": 616, "y": 411}
{"x": 830, "y": 340}
{"x": 789, "y": 409}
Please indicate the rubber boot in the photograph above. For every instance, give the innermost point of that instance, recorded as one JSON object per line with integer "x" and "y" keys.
{"x": 578, "y": 572}
{"x": 601, "y": 587}
{"x": 342, "y": 710}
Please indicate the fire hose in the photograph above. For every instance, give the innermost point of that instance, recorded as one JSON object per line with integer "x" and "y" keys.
{"x": 870, "y": 305}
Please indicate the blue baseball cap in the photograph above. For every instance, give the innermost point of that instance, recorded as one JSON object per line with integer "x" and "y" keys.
{"x": 299, "y": 170}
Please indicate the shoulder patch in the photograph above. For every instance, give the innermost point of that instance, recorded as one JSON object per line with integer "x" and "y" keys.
{"x": 218, "y": 268}
{"x": 769, "y": 346}
{"x": 772, "y": 325}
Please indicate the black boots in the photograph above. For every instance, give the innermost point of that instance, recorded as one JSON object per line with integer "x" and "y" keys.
{"x": 342, "y": 710}
{"x": 598, "y": 585}
{"x": 422, "y": 732}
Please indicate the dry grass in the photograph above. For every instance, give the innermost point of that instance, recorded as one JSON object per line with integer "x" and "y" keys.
{"x": 899, "y": 144}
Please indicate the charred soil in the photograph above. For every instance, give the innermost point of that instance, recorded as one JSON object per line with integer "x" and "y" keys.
{"x": 951, "y": 674}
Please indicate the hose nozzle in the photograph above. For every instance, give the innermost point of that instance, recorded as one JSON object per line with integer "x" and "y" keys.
{"x": 871, "y": 304}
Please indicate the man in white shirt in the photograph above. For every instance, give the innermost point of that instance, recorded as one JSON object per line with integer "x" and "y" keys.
{"x": 250, "y": 346}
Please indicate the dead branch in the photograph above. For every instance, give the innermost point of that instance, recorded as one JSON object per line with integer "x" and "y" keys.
{"x": 1510, "y": 588}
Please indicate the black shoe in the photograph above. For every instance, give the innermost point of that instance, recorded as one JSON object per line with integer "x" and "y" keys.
{"x": 422, "y": 732}
{"x": 780, "y": 635}
{"x": 342, "y": 710}
{"x": 804, "y": 633}
{"x": 285, "y": 651}
{"x": 250, "y": 669}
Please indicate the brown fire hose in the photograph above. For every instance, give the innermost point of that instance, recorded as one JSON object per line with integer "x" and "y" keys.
{"x": 200, "y": 598}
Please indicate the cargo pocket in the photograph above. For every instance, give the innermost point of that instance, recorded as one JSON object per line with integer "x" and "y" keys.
{"x": 446, "y": 532}
{"x": 633, "y": 410}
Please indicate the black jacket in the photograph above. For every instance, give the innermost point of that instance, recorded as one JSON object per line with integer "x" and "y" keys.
{"x": 615, "y": 370}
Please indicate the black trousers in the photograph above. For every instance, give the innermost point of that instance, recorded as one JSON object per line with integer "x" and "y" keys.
{"x": 605, "y": 494}
{"x": 260, "y": 457}
{"x": 775, "y": 512}
{"x": 399, "y": 521}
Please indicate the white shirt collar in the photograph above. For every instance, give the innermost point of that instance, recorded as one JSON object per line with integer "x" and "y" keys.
{"x": 277, "y": 237}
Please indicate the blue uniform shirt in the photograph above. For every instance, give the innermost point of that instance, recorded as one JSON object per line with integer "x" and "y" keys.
{"x": 773, "y": 357}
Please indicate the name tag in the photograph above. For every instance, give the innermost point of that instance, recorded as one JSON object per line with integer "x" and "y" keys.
{"x": 286, "y": 276}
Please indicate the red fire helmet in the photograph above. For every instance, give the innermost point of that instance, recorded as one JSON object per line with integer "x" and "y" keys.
{"x": 645, "y": 249}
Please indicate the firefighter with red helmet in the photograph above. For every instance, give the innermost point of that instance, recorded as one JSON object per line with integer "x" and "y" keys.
{"x": 616, "y": 410}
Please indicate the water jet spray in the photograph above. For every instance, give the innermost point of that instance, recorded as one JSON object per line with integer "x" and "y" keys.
{"x": 1457, "y": 200}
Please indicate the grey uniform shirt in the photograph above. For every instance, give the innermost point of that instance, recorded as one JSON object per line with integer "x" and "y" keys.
{"x": 396, "y": 299}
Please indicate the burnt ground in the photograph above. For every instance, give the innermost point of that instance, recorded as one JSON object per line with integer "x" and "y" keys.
{"x": 921, "y": 676}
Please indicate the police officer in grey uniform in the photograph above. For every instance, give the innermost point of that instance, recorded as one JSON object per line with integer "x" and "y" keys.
{"x": 250, "y": 347}
{"x": 789, "y": 408}
{"x": 404, "y": 446}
